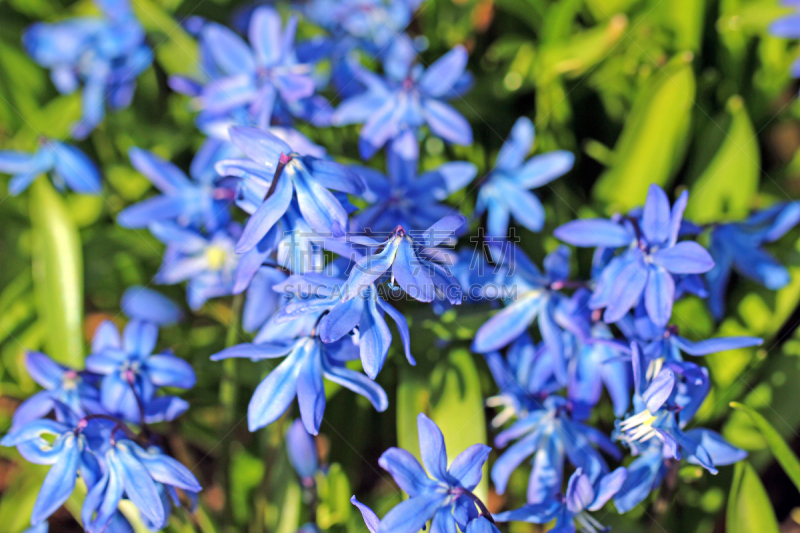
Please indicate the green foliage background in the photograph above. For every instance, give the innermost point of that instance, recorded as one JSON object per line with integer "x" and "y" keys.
{"x": 684, "y": 93}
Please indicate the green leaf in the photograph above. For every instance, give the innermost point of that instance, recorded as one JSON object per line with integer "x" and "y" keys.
{"x": 246, "y": 473}
{"x": 726, "y": 187}
{"x": 654, "y": 137}
{"x": 450, "y": 394}
{"x": 333, "y": 489}
{"x": 175, "y": 50}
{"x": 749, "y": 508}
{"x": 780, "y": 450}
{"x": 57, "y": 273}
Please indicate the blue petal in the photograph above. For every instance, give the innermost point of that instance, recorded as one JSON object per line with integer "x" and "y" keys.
{"x": 626, "y": 290}
{"x": 446, "y": 122}
{"x": 548, "y": 468}
{"x": 319, "y": 206}
{"x": 539, "y": 513}
{"x": 643, "y": 475}
{"x": 267, "y": 214}
{"x": 229, "y": 51}
{"x": 410, "y": 516}
{"x": 170, "y": 371}
{"x": 341, "y": 320}
{"x": 686, "y": 257}
{"x": 167, "y": 470}
{"x": 441, "y": 230}
{"x": 139, "y": 486}
{"x": 139, "y": 337}
{"x": 103, "y": 498}
{"x": 358, "y": 383}
{"x": 443, "y": 521}
{"x": 380, "y": 126}
{"x": 402, "y": 328}
{"x": 164, "y": 175}
{"x": 659, "y": 390}
{"x": 13, "y": 162}
{"x": 580, "y": 493}
{"x": 658, "y": 295}
{"x": 508, "y": 324}
{"x": 440, "y": 77}
{"x": 311, "y": 391}
{"x": 467, "y": 466}
{"x": 608, "y": 486}
{"x": 77, "y": 170}
{"x": 302, "y": 450}
{"x": 517, "y": 146}
{"x": 157, "y": 208}
{"x": 446, "y": 179}
{"x": 275, "y": 393}
{"x": 141, "y": 303}
{"x": 368, "y": 269}
{"x": 594, "y": 232}
{"x": 261, "y": 146}
{"x": 787, "y": 27}
{"x": 370, "y": 518}
{"x": 432, "y": 448}
{"x": 543, "y": 169}
{"x": 720, "y": 451}
{"x": 481, "y": 525}
{"x": 333, "y": 175}
{"x": 676, "y": 216}
{"x": 44, "y": 370}
{"x": 719, "y": 344}
{"x": 406, "y": 471}
{"x": 412, "y": 274}
{"x": 374, "y": 338}
{"x": 59, "y": 482}
{"x": 264, "y": 34}
{"x": 656, "y": 215}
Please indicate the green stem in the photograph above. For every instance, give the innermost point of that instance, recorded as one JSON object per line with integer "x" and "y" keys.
{"x": 228, "y": 391}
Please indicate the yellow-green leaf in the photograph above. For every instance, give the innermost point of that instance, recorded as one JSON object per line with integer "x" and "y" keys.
{"x": 654, "y": 137}
{"x": 749, "y": 508}
{"x": 727, "y": 185}
{"x": 57, "y": 273}
{"x": 780, "y": 450}
{"x": 175, "y": 50}
{"x": 450, "y": 394}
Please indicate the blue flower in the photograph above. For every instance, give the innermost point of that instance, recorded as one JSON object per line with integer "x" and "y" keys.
{"x": 300, "y": 374}
{"x": 437, "y": 492}
{"x": 408, "y": 98}
{"x": 738, "y": 246}
{"x": 105, "y": 54}
{"x": 549, "y": 434}
{"x": 582, "y": 495}
{"x": 405, "y": 199}
{"x": 131, "y": 372}
{"x": 537, "y": 297}
{"x": 287, "y": 176}
{"x": 302, "y": 452}
{"x": 257, "y": 76}
{"x": 362, "y": 315}
{"x": 65, "y": 449}
{"x": 505, "y": 191}
{"x": 198, "y": 202}
{"x": 207, "y": 262}
{"x": 148, "y": 478}
{"x": 652, "y": 257}
{"x": 67, "y": 165}
{"x": 64, "y": 388}
{"x": 403, "y": 254}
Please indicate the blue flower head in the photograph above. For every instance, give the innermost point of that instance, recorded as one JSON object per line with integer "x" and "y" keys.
{"x": 505, "y": 192}
{"x": 302, "y": 452}
{"x": 132, "y": 373}
{"x": 371, "y": 22}
{"x": 300, "y": 374}
{"x": 256, "y": 77}
{"x": 141, "y": 303}
{"x": 199, "y": 202}
{"x": 207, "y": 262}
{"x": 436, "y": 492}
{"x": 652, "y": 256}
{"x": 738, "y": 246}
{"x": 409, "y": 97}
{"x": 67, "y": 166}
{"x": 105, "y": 54}
{"x": 280, "y": 176}
{"x": 583, "y": 495}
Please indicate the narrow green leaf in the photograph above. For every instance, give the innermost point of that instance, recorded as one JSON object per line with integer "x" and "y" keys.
{"x": 749, "y": 508}
{"x": 175, "y": 50}
{"x": 450, "y": 394}
{"x": 57, "y": 273}
{"x": 780, "y": 450}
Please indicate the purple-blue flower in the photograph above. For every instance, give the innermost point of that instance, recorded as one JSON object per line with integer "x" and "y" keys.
{"x": 199, "y": 202}
{"x": 67, "y": 166}
{"x": 141, "y": 303}
{"x": 132, "y": 373}
{"x": 285, "y": 176}
{"x": 646, "y": 268}
{"x": 409, "y": 97}
{"x": 302, "y": 452}
{"x": 104, "y": 54}
{"x": 583, "y": 495}
{"x": 436, "y": 492}
{"x": 738, "y": 246}
{"x": 300, "y": 374}
{"x": 505, "y": 191}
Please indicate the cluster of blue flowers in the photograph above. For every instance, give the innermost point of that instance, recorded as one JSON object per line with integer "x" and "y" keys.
{"x": 99, "y": 429}
{"x": 318, "y": 276}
